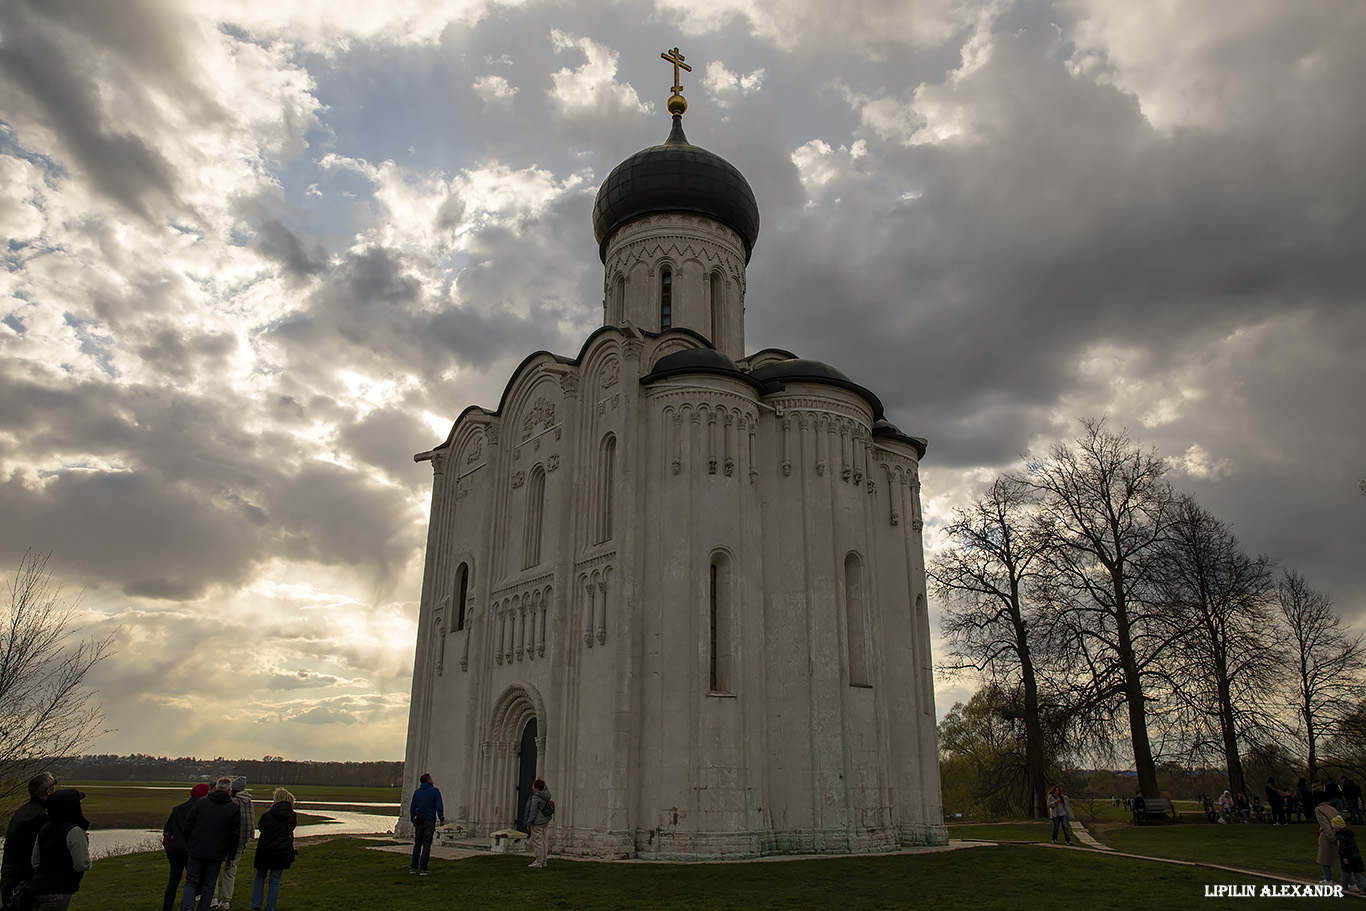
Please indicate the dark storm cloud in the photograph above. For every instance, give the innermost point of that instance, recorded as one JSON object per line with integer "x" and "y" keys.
{"x": 199, "y": 501}
{"x": 1068, "y": 222}
{"x": 386, "y": 439}
{"x": 277, "y": 242}
{"x": 46, "y": 61}
{"x": 182, "y": 359}
{"x": 371, "y": 307}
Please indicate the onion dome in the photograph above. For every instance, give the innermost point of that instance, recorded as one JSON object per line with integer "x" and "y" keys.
{"x": 676, "y": 177}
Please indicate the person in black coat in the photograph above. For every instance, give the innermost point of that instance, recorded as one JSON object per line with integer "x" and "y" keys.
{"x": 1351, "y": 792}
{"x": 61, "y": 853}
{"x": 173, "y": 840}
{"x": 274, "y": 849}
{"x": 19, "y": 835}
{"x": 211, "y": 832}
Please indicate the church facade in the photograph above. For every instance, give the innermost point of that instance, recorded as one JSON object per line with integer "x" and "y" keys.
{"x": 684, "y": 585}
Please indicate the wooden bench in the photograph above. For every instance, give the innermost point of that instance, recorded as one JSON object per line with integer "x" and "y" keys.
{"x": 1155, "y": 808}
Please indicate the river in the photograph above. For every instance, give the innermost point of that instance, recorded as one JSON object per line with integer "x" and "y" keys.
{"x": 113, "y": 842}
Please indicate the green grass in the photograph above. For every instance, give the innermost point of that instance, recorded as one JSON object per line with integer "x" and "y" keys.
{"x": 1285, "y": 851}
{"x": 1022, "y": 830}
{"x": 340, "y": 873}
{"x": 1279, "y": 850}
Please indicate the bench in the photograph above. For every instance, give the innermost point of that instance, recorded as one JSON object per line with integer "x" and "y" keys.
{"x": 1156, "y": 808}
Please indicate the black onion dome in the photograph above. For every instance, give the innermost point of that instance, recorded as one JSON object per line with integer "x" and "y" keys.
{"x": 676, "y": 177}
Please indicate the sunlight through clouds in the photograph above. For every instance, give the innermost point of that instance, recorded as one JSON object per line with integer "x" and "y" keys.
{"x": 259, "y": 254}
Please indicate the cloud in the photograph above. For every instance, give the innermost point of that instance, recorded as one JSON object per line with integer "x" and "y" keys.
{"x": 591, "y": 93}
{"x": 495, "y": 91}
{"x": 725, "y": 85}
{"x": 261, "y": 253}
{"x": 323, "y": 715}
{"x": 876, "y": 28}
{"x": 1198, "y": 463}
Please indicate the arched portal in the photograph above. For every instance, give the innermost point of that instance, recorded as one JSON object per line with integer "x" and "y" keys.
{"x": 516, "y": 743}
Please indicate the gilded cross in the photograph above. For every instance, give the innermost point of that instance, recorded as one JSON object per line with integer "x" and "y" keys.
{"x": 676, "y": 59}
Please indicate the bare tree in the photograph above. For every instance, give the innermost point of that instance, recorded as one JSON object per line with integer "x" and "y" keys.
{"x": 46, "y": 710}
{"x": 1103, "y": 509}
{"x": 1327, "y": 661}
{"x": 1226, "y": 666}
{"x": 983, "y": 576}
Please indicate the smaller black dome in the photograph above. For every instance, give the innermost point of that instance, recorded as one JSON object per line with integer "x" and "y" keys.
{"x": 800, "y": 368}
{"x": 703, "y": 360}
{"x": 676, "y": 177}
{"x": 804, "y": 370}
{"x": 888, "y": 431}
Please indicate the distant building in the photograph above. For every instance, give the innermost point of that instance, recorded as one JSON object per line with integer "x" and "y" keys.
{"x": 684, "y": 585}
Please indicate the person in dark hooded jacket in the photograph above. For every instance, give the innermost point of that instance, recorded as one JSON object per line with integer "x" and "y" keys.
{"x": 23, "y": 827}
{"x": 173, "y": 840}
{"x": 274, "y": 850}
{"x": 211, "y": 832}
{"x": 61, "y": 853}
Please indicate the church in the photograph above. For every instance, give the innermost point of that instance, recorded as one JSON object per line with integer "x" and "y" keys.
{"x": 682, "y": 583}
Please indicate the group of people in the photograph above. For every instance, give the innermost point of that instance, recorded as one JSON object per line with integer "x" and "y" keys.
{"x": 1285, "y": 805}
{"x": 47, "y": 850}
{"x": 1337, "y": 841}
{"x": 426, "y": 812}
{"x": 206, "y": 838}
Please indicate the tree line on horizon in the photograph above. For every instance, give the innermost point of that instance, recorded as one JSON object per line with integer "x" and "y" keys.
{"x": 48, "y": 713}
{"x": 1108, "y": 615}
{"x": 275, "y": 770}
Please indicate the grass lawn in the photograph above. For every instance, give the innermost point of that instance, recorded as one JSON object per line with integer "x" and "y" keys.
{"x": 1286, "y": 851}
{"x": 1018, "y": 830}
{"x": 1279, "y": 850}
{"x": 340, "y": 873}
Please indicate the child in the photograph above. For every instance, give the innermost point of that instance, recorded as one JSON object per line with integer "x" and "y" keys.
{"x": 1350, "y": 854}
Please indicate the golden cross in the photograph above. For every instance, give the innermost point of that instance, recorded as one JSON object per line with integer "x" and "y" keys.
{"x": 676, "y": 59}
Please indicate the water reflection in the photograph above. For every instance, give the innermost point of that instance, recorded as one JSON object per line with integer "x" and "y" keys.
{"x": 114, "y": 842}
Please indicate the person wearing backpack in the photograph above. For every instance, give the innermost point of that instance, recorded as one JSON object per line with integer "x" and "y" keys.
{"x": 539, "y": 809}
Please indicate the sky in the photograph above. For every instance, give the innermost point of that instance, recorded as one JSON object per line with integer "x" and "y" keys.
{"x": 258, "y": 253}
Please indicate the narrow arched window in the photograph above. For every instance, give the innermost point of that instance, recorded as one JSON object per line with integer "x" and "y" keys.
{"x": 856, "y": 621}
{"x": 718, "y": 299}
{"x": 619, "y": 301}
{"x": 535, "y": 514}
{"x": 720, "y": 623}
{"x": 462, "y": 592}
{"x": 607, "y": 458}
{"x": 666, "y": 300}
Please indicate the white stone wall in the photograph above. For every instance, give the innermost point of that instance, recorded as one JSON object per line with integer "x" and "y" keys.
{"x": 605, "y": 639}
{"x": 707, "y": 260}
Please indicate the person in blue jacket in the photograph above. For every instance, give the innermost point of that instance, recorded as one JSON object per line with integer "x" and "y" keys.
{"x": 425, "y": 811}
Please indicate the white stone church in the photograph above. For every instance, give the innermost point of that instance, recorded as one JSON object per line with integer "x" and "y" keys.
{"x": 683, "y": 584}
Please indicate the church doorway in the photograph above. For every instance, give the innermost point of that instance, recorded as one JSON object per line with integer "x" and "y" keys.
{"x": 526, "y": 771}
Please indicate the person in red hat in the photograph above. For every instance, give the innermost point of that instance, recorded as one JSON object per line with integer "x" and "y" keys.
{"x": 173, "y": 840}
